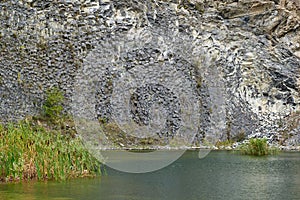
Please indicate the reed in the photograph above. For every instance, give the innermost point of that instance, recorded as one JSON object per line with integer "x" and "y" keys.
{"x": 31, "y": 152}
{"x": 258, "y": 147}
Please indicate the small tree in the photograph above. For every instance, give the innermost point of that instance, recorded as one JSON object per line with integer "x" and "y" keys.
{"x": 53, "y": 105}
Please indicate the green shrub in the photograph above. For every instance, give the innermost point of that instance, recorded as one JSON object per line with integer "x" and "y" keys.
{"x": 257, "y": 147}
{"x": 30, "y": 152}
{"x": 53, "y": 105}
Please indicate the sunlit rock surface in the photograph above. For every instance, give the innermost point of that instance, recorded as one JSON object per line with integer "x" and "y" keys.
{"x": 254, "y": 45}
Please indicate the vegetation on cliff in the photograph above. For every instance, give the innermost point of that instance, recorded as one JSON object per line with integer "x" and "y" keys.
{"x": 40, "y": 147}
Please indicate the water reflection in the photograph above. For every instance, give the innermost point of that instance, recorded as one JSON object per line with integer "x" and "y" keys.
{"x": 220, "y": 175}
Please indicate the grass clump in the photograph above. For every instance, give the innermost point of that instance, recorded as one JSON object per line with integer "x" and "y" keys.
{"x": 224, "y": 144}
{"x": 30, "y": 152}
{"x": 258, "y": 147}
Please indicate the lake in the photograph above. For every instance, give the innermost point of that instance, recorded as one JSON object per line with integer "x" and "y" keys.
{"x": 220, "y": 175}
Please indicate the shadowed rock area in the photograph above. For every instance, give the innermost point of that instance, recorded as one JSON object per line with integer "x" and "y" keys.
{"x": 252, "y": 45}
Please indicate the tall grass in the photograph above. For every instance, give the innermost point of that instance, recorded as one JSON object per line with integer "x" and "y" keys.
{"x": 30, "y": 152}
{"x": 258, "y": 147}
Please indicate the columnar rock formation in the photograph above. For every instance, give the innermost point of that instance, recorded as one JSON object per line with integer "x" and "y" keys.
{"x": 255, "y": 45}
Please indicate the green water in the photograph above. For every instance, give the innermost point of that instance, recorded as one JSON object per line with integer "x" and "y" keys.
{"x": 220, "y": 175}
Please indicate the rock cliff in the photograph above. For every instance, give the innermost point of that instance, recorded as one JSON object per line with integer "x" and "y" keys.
{"x": 252, "y": 46}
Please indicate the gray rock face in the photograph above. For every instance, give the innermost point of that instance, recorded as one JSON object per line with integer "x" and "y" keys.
{"x": 252, "y": 46}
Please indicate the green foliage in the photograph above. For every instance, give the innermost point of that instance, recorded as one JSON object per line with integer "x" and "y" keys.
{"x": 257, "y": 147}
{"x": 53, "y": 105}
{"x": 30, "y": 152}
{"x": 223, "y": 144}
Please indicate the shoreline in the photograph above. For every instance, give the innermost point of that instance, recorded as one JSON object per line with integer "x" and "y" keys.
{"x": 280, "y": 148}
{"x": 29, "y": 145}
